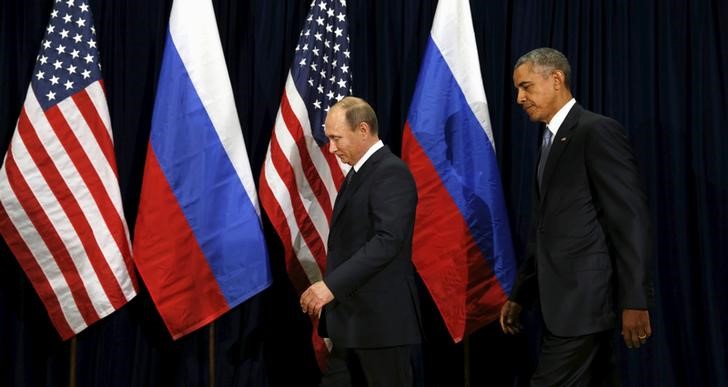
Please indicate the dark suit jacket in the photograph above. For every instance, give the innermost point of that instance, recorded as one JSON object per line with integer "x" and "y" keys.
{"x": 589, "y": 246}
{"x": 369, "y": 264}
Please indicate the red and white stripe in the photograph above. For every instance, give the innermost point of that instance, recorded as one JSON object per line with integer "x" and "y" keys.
{"x": 298, "y": 186}
{"x": 61, "y": 210}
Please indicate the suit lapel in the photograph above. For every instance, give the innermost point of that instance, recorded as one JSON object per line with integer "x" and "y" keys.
{"x": 558, "y": 145}
{"x": 357, "y": 181}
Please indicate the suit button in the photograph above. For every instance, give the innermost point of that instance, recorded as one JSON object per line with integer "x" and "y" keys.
{"x": 540, "y": 230}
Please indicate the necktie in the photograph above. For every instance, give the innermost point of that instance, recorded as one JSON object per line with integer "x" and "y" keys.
{"x": 342, "y": 188}
{"x": 545, "y": 147}
{"x": 347, "y": 180}
{"x": 350, "y": 175}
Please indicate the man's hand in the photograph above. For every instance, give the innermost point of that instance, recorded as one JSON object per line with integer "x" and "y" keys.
{"x": 635, "y": 327}
{"x": 315, "y": 297}
{"x": 510, "y": 318}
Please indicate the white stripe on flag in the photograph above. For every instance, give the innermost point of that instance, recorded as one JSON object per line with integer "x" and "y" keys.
{"x": 53, "y": 209}
{"x": 98, "y": 97}
{"x": 109, "y": 178}
{"x": 308, "y": 198}
{"x": 459, "y": 50}
{"x": 92, "y": 214}
{"x": 42, "y": 255}
{"x": 205, "y": 64}
{"x": 282, "y": 196}
{"x": 319, "y": 161}
{"x": 91, "y": 148}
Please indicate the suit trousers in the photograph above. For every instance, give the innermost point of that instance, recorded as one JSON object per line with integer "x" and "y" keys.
{"x": 373, "y": 367}
{"x": 576, "y": 361}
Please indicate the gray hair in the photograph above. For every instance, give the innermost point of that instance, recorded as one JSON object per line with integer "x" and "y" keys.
{"x": 546, "y": 60}
{"x": 356, "y": 111}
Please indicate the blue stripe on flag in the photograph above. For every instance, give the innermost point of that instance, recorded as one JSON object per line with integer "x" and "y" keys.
{"x": 464, "y": 158}
{"x": 206, "y": 185}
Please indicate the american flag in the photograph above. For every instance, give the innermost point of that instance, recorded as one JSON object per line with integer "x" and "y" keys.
{"x": 61, "y": 212}
{"x": 300, "y": 178}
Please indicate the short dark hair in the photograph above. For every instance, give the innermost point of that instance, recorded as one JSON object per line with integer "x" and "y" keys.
{"x": 547, "y": 60}
{"x": 358, "y": 110}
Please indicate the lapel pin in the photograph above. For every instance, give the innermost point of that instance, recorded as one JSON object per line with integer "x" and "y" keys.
{"x": 563, "y": 139}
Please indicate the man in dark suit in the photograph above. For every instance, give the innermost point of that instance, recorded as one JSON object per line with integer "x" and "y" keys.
{"x": 368, "y": 297}
{"x": 589, "y": 245}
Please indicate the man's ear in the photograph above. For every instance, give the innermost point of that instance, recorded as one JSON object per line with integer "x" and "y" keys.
{"x": 559, "y": 78}
{"x": 363, "y": 129}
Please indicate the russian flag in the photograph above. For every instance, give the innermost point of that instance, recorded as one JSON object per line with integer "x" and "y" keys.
{"x": 198, "y": 242}
{"x": 462, "y": 245}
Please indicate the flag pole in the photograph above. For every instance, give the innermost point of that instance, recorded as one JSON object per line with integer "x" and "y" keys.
{"x": 72, "y": 363}
{"x": 211, "y": 350}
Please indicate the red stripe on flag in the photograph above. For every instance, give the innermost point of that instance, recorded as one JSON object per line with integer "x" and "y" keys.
{"x": 305, "y": 224}
{"x": 35, "y": 274}
{"x": 187, "y": 296}
{"x": 336, "y": 173}
{"x": 96, "y": 124}
{"x": 307, "y": 165}
{"x": 49, "y": 234}
{"x": 72, "y": 208}
{"x": 447, "y": 258}
{"x": 112, "y": 218}
{"x": 278, "y": 220}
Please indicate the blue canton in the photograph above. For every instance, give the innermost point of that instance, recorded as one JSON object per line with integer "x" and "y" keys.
{"x": 320, "y": 67}
{"x": 68, "y": 59}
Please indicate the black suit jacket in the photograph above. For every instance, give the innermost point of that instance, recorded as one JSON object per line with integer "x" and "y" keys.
{"x": 589, "y": 246}
{"x": 369, "y": 263}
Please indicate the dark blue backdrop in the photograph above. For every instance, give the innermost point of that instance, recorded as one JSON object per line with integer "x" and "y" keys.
{"x": 657, "y": 66}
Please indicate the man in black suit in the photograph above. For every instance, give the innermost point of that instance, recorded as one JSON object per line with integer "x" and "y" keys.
{"x": 589, "y": 245}
{"x": 368, "y": 297}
